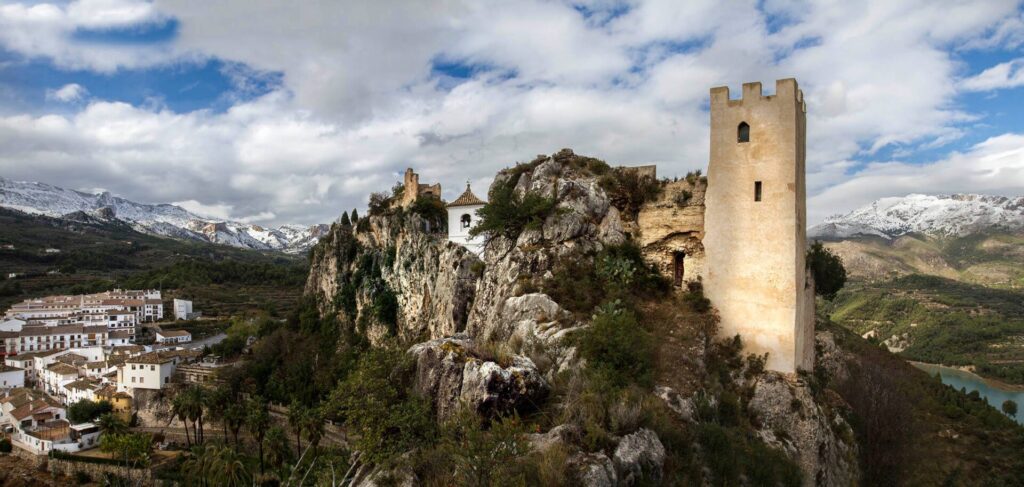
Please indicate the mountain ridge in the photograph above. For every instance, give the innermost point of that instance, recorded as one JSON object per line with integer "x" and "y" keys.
{"x": 162, "y": 219}
{"x": 951, "y": 215}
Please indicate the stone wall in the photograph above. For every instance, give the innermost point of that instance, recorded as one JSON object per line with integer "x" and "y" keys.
{"x": 96, "y": 471}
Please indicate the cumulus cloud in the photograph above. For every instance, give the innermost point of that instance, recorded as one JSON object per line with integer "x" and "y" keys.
{"x": 68, "y": 93}
{"x": 359, "y": 99}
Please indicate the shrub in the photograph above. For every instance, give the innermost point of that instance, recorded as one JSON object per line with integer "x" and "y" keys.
{"x": 378, "y": 204}
{"x": 683, "y": 197}
{"x": 376, "y": 403}
{"x": 85, "y": 410}
{"x": 628, "y": 190}
{"x": 5, "y": 445}
{"x": 695, "y": 297}
{"x": 432, "y": 210}
{"x": 617, "y": 349}
{"x": 507, "y": 214}
{"x": 827, "y": 269}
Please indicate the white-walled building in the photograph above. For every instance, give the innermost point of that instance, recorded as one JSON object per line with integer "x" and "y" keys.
{"x": 11, "y": 377}
{"x": 11, "y": 324}
{"x": 38, "y": 338}
{"x": 462, "y": 217}
{"x": 170, "y": 337}
{"x": 147, "y": 371}
{"x": 183, "y": 309}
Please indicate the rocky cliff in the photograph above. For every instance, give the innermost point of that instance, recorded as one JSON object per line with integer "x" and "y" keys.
{"x": 484, "y": 334}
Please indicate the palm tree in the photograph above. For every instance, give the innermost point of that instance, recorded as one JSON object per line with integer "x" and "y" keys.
{"x": 235, "y": 416}
{"x": 230, "y": 469}
{"x": 217, "y": 401}
{"x": 111, "y": 424}
{"x": 277, "y": 446}
{"x": 296, "y": 419}
{"x": 258, "y": 420}
{"x": 196, "y": 399}
{"x": 179, "y": 410}
{"x": 313, "y": 423}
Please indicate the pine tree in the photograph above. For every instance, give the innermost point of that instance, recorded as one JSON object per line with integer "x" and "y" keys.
{"x": 344, "y": 219}
{"x": 355, "y": 216}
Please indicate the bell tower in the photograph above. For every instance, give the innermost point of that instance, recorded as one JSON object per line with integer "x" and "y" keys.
{"x": 755, "y": 223}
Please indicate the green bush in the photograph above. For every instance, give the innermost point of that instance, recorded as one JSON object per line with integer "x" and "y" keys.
{"x": 628, "y": 190}
{"x": 507, "y": 214}
{"x": 617, "y": 349}
{"x": 85, "y": 410}
{"x": 376, "y": 403}
{"x": 5, "y": 445}
{"x": 827, "y": 268}
{"x": 432, "y": 210}
{"x": 581, "y": 282}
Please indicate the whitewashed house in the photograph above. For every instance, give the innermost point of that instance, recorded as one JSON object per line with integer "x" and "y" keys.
{"x": 170, "y": 337}
{"x": 151, "y": 370}
{"x": 11, "y": 377}
{"x": 462, "y": 217}
{"x": 183, "y": 310}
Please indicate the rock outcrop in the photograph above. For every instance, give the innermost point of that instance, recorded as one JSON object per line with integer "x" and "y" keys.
{"x": 448, "y": 372}
{"x": 639, "y": 458}
{"x": 794, "y": 422}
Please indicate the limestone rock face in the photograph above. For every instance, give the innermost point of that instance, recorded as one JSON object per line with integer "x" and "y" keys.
{"x": 585, "y": 221}
{"x": 433, "y": 280}
{"x": 449, "y": 374}
{"x": 785, "y": 404}
{"x": 674, "y": 224}
{"x": 639, "y": 457}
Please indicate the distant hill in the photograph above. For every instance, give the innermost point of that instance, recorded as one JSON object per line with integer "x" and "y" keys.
{"x": 935, "y": 278}
{"x": 89, "y": 254}
{"x": 157, "y": 219}
{"x": 975, "y": 239}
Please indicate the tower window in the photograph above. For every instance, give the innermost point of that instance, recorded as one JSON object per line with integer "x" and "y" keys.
{"x": 743, "y": 133}
{"x": 757, "y": 190}
{"x": 466, "y": 220}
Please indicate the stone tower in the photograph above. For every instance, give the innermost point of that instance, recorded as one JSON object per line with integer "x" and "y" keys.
{"x": 755, "y": 223}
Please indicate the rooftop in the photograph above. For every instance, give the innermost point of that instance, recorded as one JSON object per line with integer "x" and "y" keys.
{"x": 174, "y": 333}
{"x": 467, "y": 198}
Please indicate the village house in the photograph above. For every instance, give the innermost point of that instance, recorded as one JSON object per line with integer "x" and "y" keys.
{"x": 11, "y": 377}
{"x": 167, "y": 337}
{"x": 120, "y": 401}
{"x": 81, "y": 389}
{"x": 151, "y": 370}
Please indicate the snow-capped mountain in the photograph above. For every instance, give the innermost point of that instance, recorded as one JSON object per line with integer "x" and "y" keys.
{"x": 161, "y": 219}
{"x": 942, "y": 215}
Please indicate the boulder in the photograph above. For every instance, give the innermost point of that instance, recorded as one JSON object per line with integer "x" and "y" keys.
{"x": 450, "y": 375}
{"x": 682, "y": 406}
{"x": 491, "y": 389}
{"x": 639, "y": 457}
{"x": 593, "y": 470}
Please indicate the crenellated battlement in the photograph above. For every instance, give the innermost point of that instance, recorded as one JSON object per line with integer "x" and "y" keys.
{"x": 785, "y": 89}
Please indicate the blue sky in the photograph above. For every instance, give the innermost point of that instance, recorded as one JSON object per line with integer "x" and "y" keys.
{"x": 274, "y": 113}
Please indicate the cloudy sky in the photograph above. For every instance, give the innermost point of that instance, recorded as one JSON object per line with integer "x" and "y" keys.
{"x": 290, "y": 112}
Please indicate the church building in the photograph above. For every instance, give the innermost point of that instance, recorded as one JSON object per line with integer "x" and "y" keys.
{"x": 462, "y": 217}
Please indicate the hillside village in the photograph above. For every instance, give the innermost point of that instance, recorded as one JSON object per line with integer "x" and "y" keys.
{"x": 63, "y": 350}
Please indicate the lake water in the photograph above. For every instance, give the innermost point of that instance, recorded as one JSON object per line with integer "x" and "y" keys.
{"x": 973, "y": 382}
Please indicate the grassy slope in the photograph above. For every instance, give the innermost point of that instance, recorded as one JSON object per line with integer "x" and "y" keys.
{"x": 938, "y": 435}
{"x": 98, "y": 255}
{"x": 946, "y": 321}
{"x": 958, "y": 300}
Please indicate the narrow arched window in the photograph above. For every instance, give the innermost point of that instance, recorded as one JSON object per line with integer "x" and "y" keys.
{"x": 743, "y": 132}
{"x": 466, "y": 220}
